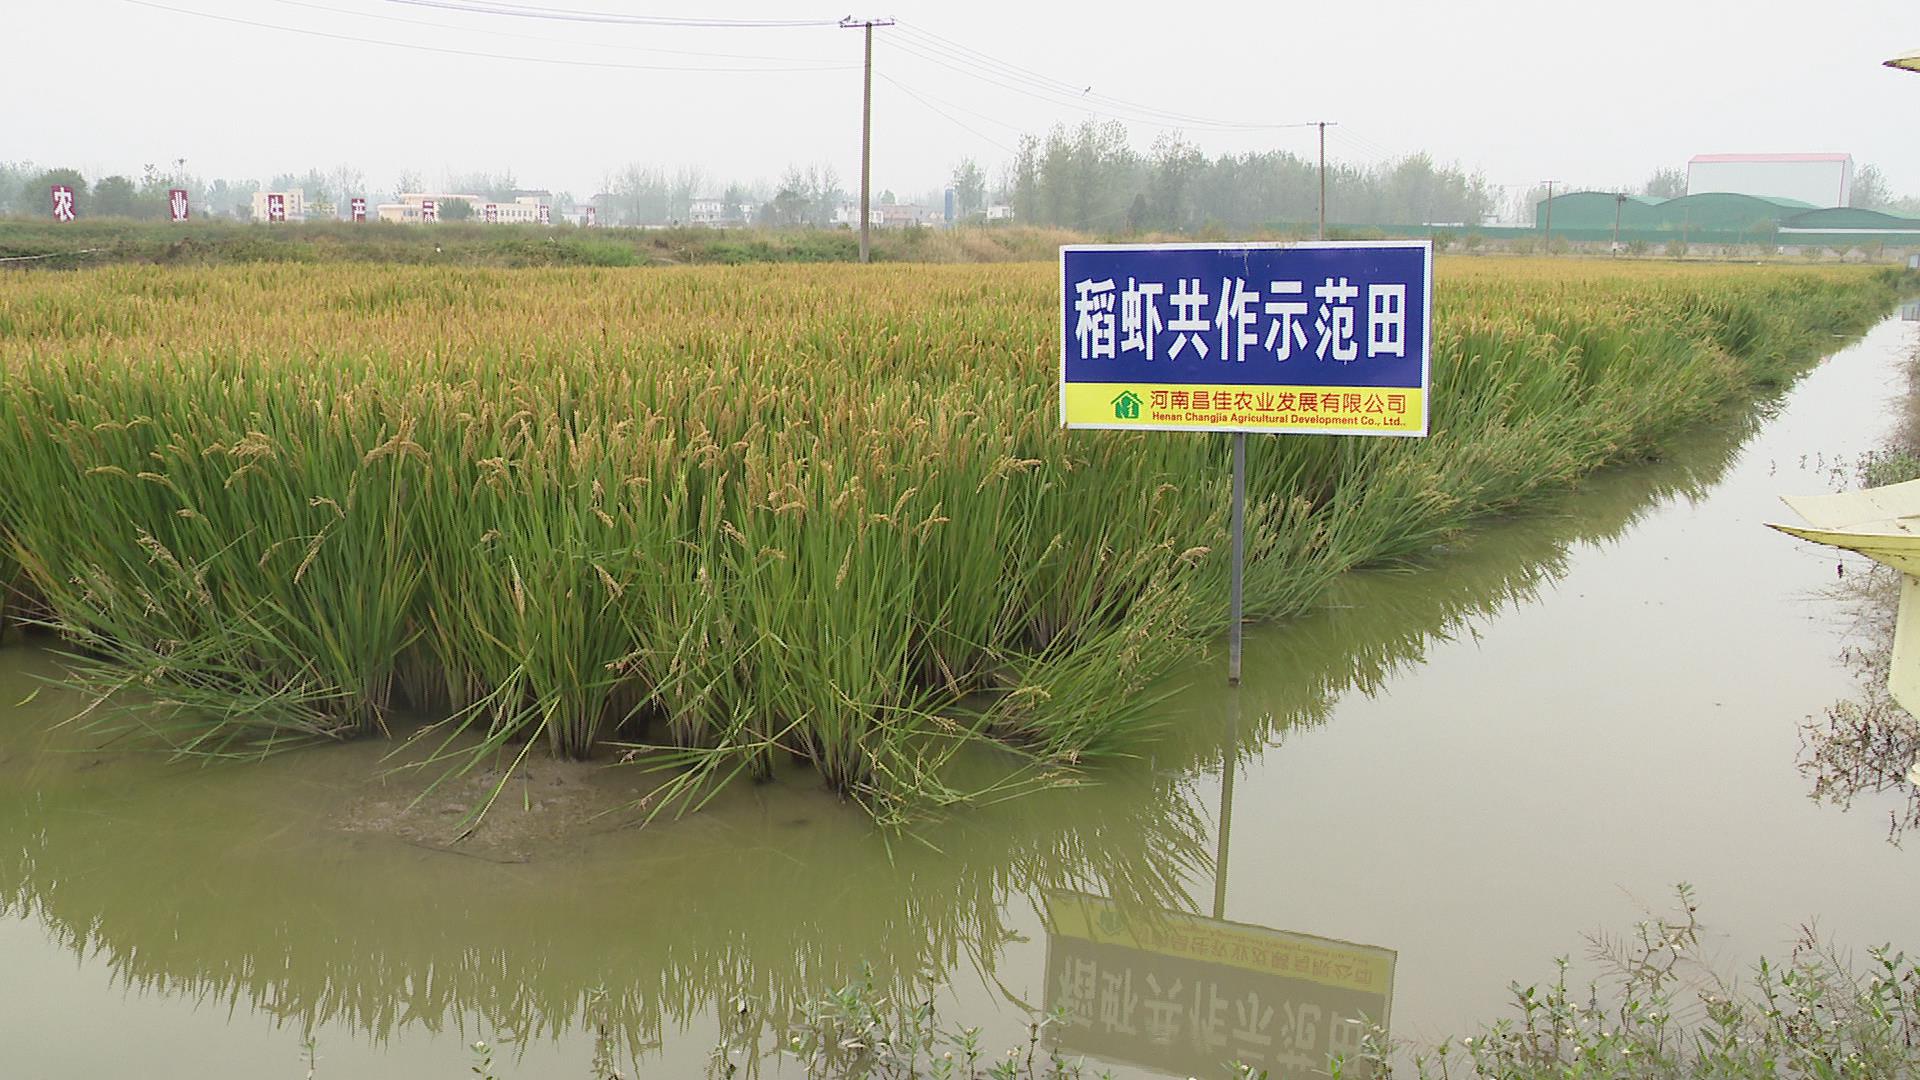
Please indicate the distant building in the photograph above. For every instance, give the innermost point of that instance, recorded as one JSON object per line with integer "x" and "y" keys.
{"x": 848, "y": 214}
{"x": 1817, "y": 180}
{"x": 706, "y": 212}
{"x": 889, "y": 215}
{"x": 523, "y": 210}
{"x": 1719, "y": 217}
{"x": 1000, "y": 212}
{"x": 911, "y": 215}
{"x": 294, "y": 202}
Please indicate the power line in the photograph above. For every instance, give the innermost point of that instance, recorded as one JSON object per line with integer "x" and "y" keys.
{"x": 1017, "y": 129}
{"x": 969, "y": 61}
{"x": 1087, "y": 102}
{"x": 530, "y": 11}
{"x": 548, "y": 40}
{"x": 1363, "y": 147}
{"x": 472, "y": 52}
{"x": 956, "y": 121}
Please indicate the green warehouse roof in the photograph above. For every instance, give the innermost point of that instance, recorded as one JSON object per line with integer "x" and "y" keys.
{"x": 1707, "y": 212}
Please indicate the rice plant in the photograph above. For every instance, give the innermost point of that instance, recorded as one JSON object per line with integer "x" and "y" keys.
{"x": 713, "y": 516}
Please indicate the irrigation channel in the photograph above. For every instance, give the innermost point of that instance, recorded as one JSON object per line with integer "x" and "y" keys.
{"x": 1462, "y": 770}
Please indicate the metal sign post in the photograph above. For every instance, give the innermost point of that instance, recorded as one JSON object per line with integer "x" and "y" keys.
{"x": 1237, "y": 605}
{"x": 1310, "y": 338}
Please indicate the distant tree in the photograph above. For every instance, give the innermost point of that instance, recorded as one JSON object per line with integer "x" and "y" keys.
{"x": 456, "y": 210}
{"x": 36, "y": 197}
{"x": 150, "y": 203}
{"x": 1870, "y": 189}
{"x": 732, "y": 200}
{"x": 1666, "y": 184}
{"x": 496, "y": 187}
{"x": 824, "y": 194}
{"x": 233, "y": 197}
{"x": 788, "y": 209}
{"x": 408, "y": 182}
{"x": 640, "y": 196}
{"x": 687, "y": 185}
{"x": 13, "y": 183}
{"x": 1175, "y": 168}
{"x": 1023, "y": 180}
{"x": 887, "y": 198}
{"x": 969, "y": 189}
{"x": 114, "y": 196}
{"x": 1527, "y": 209}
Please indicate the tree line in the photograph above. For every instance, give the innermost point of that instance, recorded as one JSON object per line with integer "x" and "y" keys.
{"x": 1089, "y": 178}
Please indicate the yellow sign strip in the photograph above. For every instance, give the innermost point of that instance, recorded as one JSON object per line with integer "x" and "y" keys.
{"x": 1273, "y": 952}
{"x": 1357, "y": 410}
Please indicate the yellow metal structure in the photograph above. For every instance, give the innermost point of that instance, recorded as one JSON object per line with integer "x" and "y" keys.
{"x": 1909, "y": 62}
{"x": 1883, "y": 524}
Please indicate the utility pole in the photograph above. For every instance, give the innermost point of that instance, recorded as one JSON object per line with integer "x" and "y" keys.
{"x": 866, "y": 126}
{"x": 1548, "y": 238}
{"x": 1619, "y": 200}
{"x": 1323, "y": 125}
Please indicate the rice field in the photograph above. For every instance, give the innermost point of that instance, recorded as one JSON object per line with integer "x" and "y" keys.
{"x": 710, "y": 517}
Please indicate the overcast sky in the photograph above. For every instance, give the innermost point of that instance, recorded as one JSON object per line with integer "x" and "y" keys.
{"x": 1588, "y": 94}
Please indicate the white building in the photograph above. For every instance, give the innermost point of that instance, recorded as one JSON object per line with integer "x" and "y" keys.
{"x": 407, "y": 210}
{"x": 524, "y": 210}
{"x": 706, "y": 212}
{"x": 912, "y": 215}
{"x": 889, "y": 215}
{"x": 1822, "y": 180}
{"x": 848, "y": 214}
{"x": 294, "y": 202}
{"x": 1000, "y": 212}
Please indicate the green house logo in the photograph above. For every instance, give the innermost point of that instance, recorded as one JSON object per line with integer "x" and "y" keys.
{"x": 1127, "y": 406}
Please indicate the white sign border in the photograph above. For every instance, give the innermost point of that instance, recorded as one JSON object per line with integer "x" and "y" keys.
{"x": 1426, "y": 360}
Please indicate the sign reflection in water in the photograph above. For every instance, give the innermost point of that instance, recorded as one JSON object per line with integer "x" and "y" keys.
{"x": 1182, "y": 995}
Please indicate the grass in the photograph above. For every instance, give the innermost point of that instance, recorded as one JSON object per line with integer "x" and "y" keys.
{"x": 94, "y": 243}
{"x": 805, "y": 511}
{"x": 1658, "y": 1012}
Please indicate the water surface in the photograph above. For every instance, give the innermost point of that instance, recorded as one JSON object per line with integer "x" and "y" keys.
{"x": 1464, "y": 768}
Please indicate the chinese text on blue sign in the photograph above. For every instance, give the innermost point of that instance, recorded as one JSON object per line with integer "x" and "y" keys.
{"x": 1322, "y": 338}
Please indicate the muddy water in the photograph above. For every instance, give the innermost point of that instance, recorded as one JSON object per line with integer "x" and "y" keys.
{"x": 1434, "y": 787}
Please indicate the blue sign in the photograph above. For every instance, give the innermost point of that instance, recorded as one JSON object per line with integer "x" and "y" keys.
{"x": 1315, "y": 337}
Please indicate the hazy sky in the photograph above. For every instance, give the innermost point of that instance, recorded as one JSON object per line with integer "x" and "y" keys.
{"x": 1589, "y": 94}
